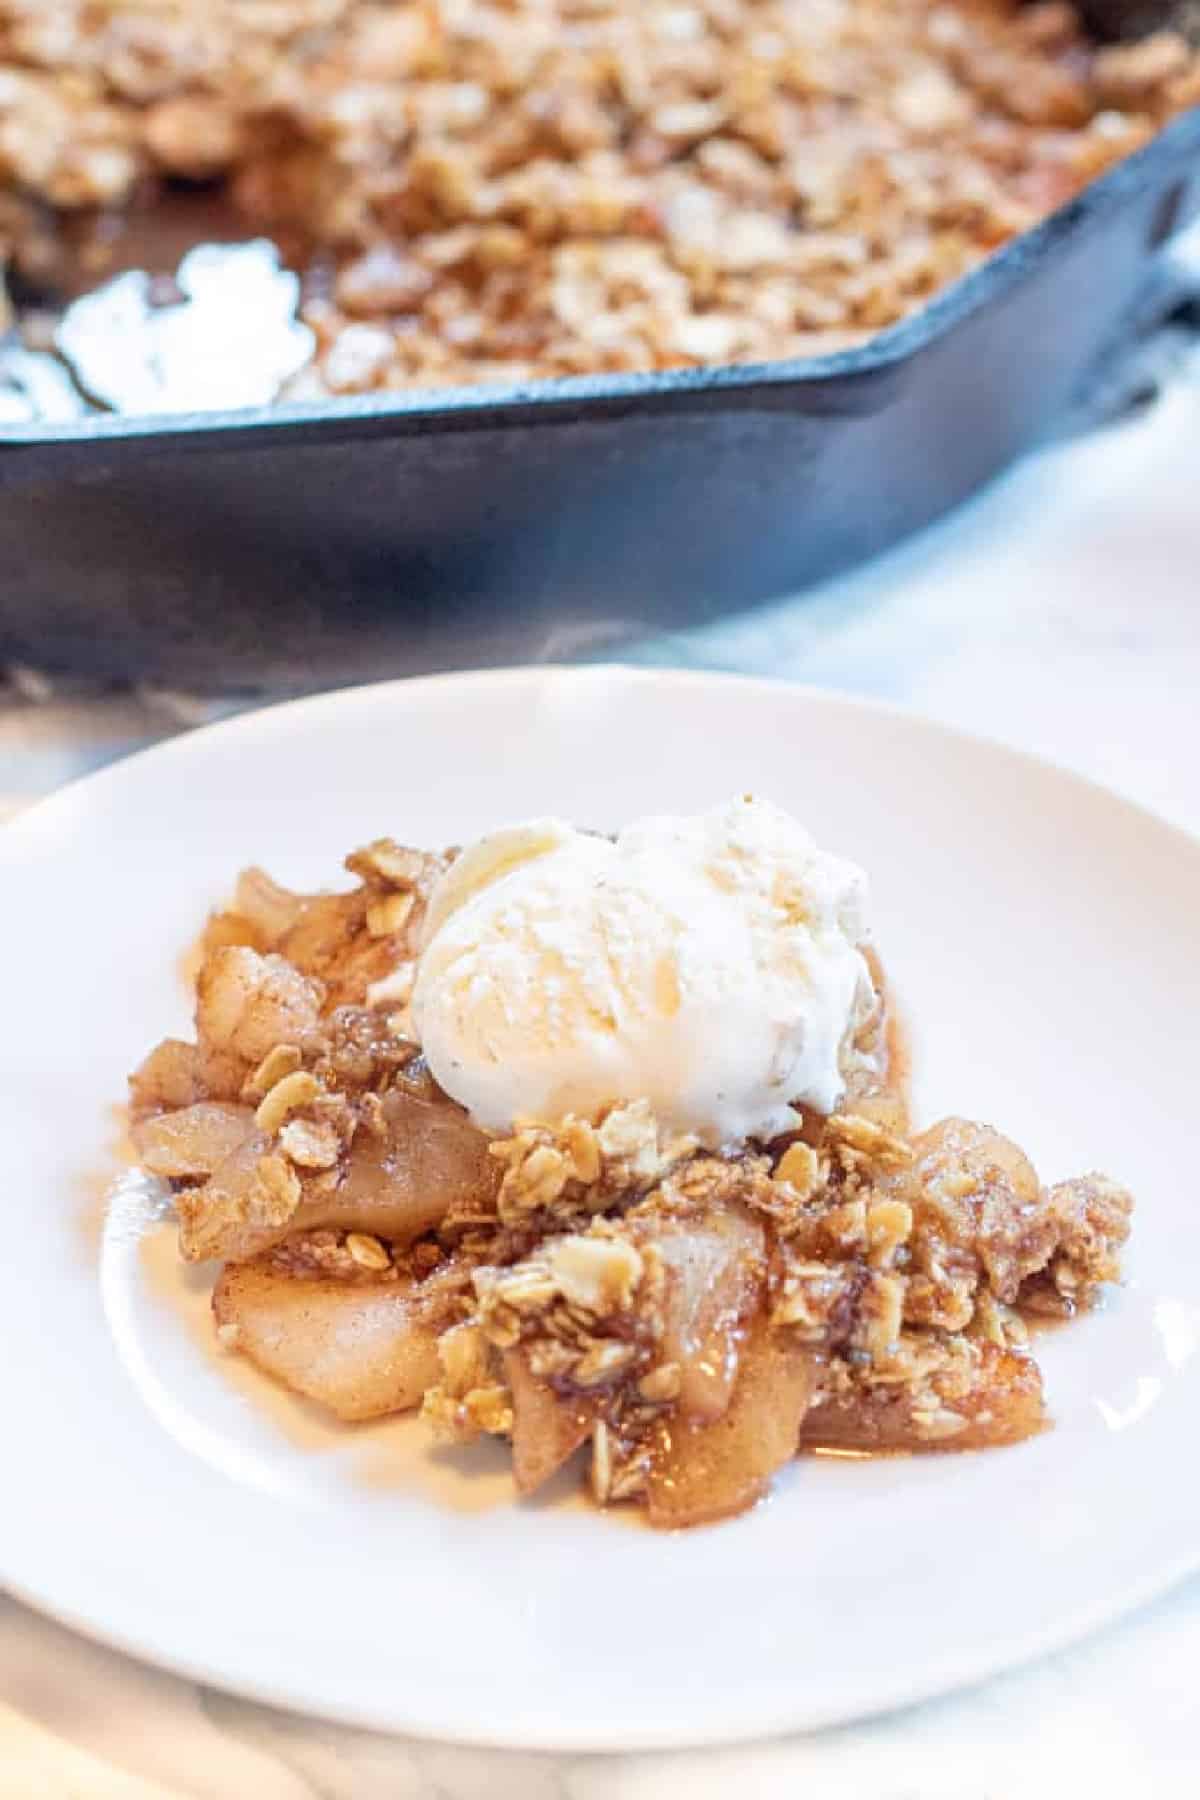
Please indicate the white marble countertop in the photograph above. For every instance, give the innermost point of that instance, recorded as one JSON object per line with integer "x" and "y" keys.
{"x": 1061, "y": 611}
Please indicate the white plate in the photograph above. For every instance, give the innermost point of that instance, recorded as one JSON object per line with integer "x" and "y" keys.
{"x": 1046, "y": 940}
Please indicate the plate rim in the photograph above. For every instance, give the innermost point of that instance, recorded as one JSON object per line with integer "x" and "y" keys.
{"x": 936, "y": 1677}
{"x": 32, "y": 816}
{"x": 771, "y": 1723}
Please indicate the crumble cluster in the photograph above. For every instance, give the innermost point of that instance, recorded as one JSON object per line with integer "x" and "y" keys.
{"x": 515, "y": 189}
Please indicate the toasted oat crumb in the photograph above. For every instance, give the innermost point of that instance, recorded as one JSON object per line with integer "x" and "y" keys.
{"x": 601, "y": 1472}
{"x": 278, "y": 1063}
{"x": 581, "y": 1147}
{"x": 526, "y": 1287}
{"x": 284, "y": 1097}
{"x": 661, "y": 1384}
{"x": 869, "y": 1139}
{"x": 813, "y": 1296}
{"x": 482, "y": 1410}
{"x": 388, "y": 916}
{"x": 882, "y": 1315}
{"x": 514, "y": 191}
{"x": 367, "y": 1251}
{"x": 580, "y": 1168}
{"x": 634, "y": 1150}
{"x": 280, "y": 1184}
{"x": 544, "y": 1175}
{"x": 463, "y": 1352}
{"x": 600, "y": 1274}
{"x": 889, "y": 1225}
{"x": 996, "y": 1323}
{"x": 603, "y": 1363}
{"x": 309, "y": 1144}
{"x": 394, "y": 865}
{"x": 800, "y": 1168}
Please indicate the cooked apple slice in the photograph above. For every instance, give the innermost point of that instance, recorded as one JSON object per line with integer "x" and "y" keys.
{"x": 977, "y": 1189}
{"x": 702, "y": 1472}
{"x": 547, "y": 1428}
{"x": 393, "y": 1187}
{"x": 1003, "y": 1406}
{"x": 195, "y": 1140}
{"x": 177, "y": 1074}
{"x": 982, "y": 1157}
{"x": 715, "y": 1262}
{"x": 246, "y": 1004}
{"x": 267, "y": 908}
{"x": 232, "y": 1207}
{"x": 361, "y": 1349}
{"x": 402, "y": 1184}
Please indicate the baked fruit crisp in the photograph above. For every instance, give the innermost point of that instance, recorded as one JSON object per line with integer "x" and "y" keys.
{"x": 485, "y": 190}
{"x": 580, "y": 1141}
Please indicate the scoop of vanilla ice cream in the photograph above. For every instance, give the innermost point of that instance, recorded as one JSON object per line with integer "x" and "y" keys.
{"x": 708, "y": 965}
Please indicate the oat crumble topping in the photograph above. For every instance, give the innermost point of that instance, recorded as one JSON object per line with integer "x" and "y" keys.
{"x": 688, "y": 1319}
{"x": 513, "y": 189}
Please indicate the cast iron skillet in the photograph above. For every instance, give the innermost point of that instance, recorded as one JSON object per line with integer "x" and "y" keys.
{"x": 307, "y": 545}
